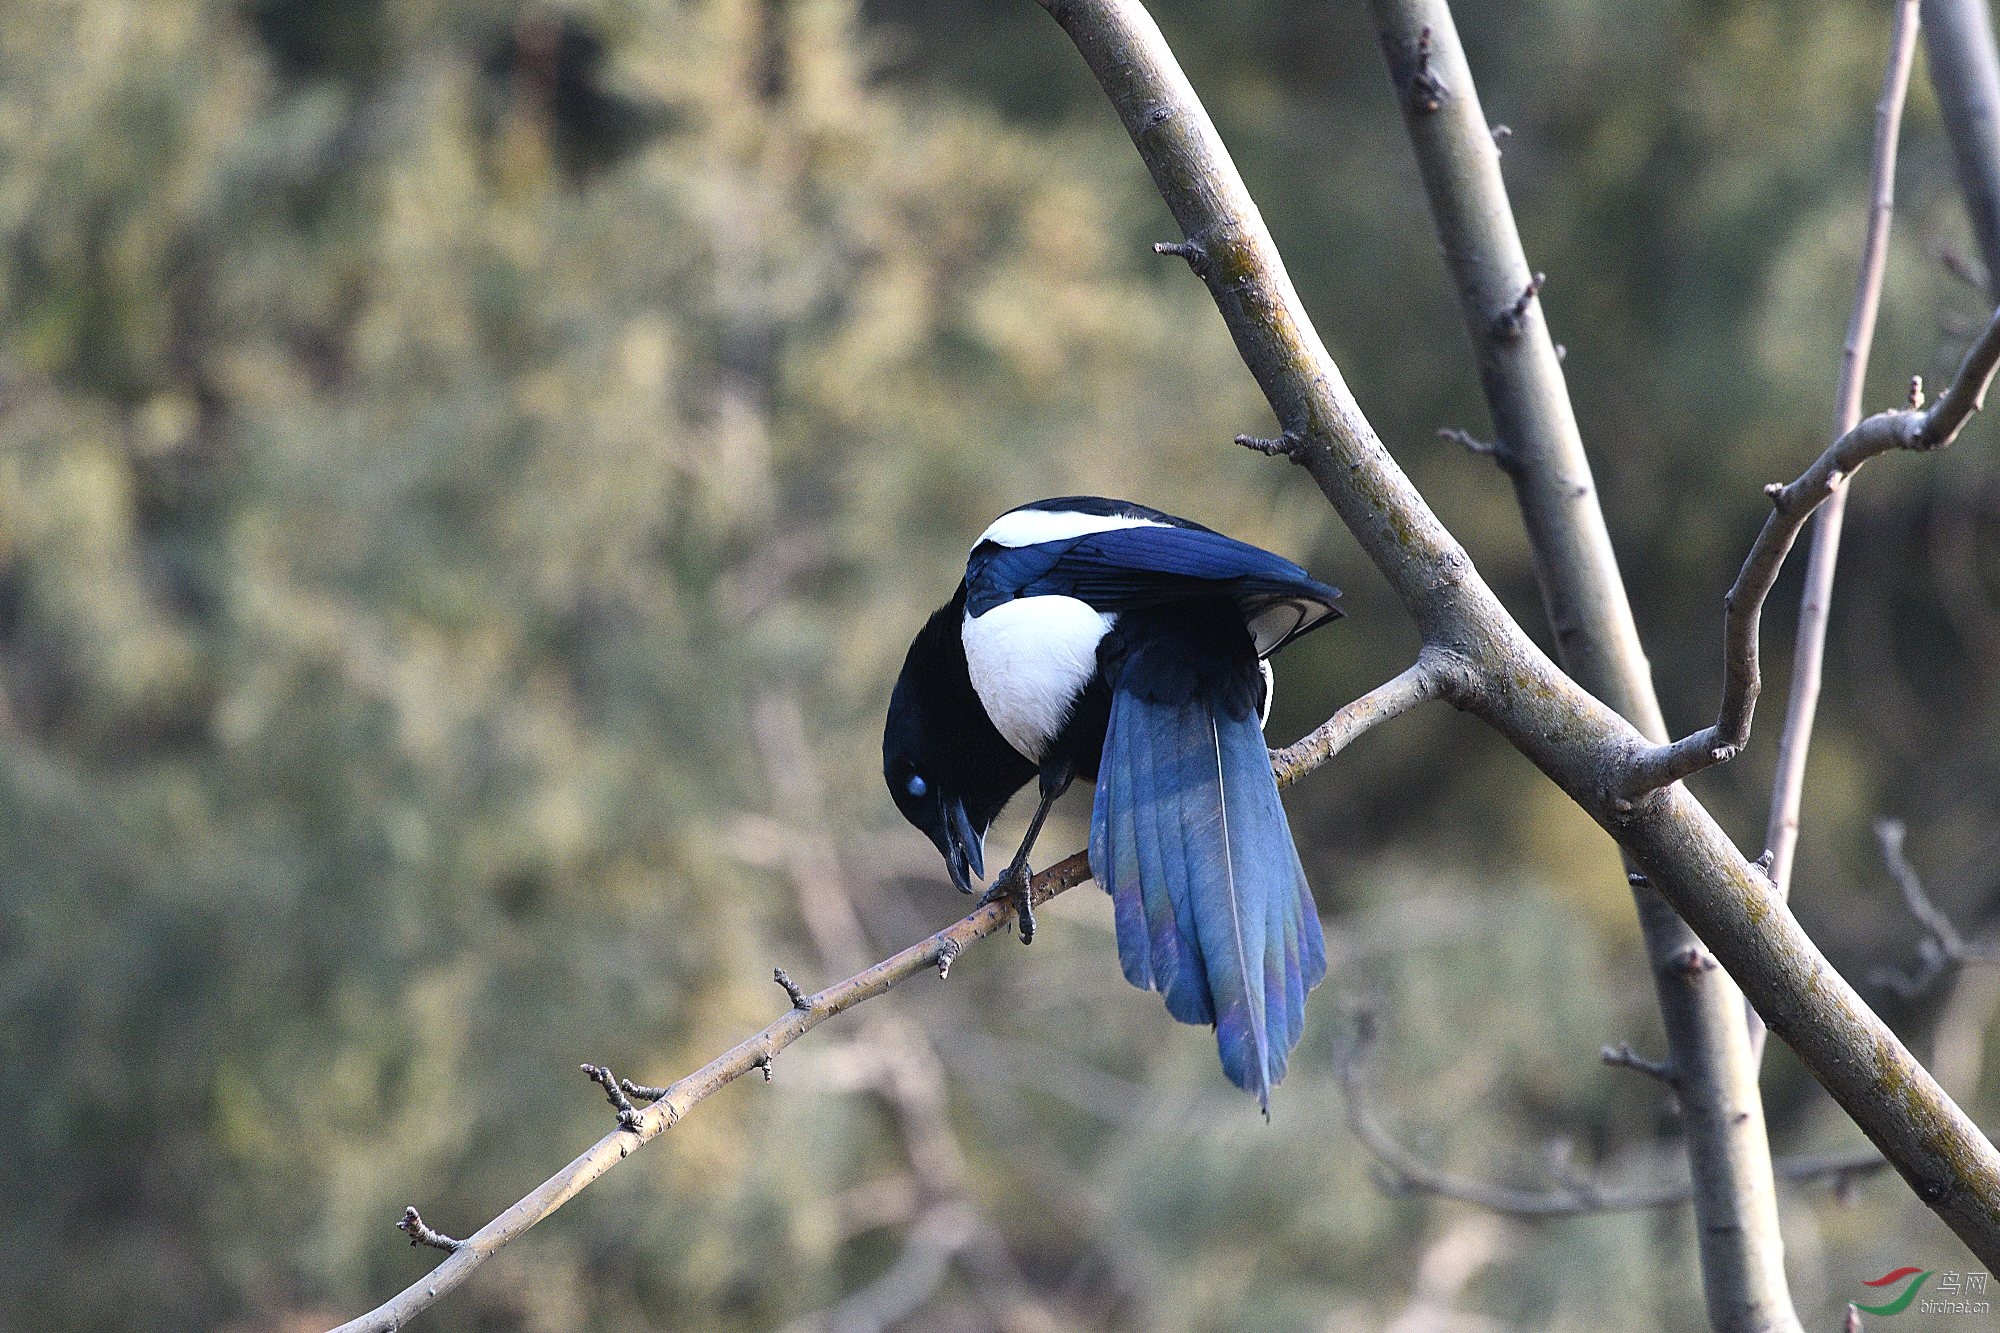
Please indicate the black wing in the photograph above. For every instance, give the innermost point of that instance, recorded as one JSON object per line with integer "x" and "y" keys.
{"x": 1129, "y": 569}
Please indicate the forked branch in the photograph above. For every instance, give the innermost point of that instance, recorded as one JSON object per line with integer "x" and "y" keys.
{"x": 1502, "y": 677}
{"x": 1916, "y": 428}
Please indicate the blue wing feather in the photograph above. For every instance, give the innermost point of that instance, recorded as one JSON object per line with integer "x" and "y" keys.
{"x": 1189, "y": 837}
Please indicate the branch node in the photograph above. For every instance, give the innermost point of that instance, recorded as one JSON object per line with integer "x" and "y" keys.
{"x": 1775, "y": 493}
{"x": 1692, "y": 962}
{"x": 646, "y": 1094}
{"x": 1622, "y": 1056}
{"x": 1427, "y": 91}
{"x": 764, "y": 1063}
{"x": 800, "y": 1000}
{"x": 947, "y": 955}
{"x": 1472, "y": 444}
{"x": 1916, "y": 399}
{"x": 1501, "y": 134}
{"x": 1513, "y": 321}
{"x": 1291, "y": 444}
{"x": 614, "y": 1092}
{"x": 1637, "y": 879}
{"x": 420, "y": 1233}
{"x": 1190, "y": 250}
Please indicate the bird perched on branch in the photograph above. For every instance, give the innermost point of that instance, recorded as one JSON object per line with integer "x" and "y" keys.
{"x": 1100, "y": 639}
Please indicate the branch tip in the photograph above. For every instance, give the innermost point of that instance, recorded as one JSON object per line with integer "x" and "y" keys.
{"x": 800, "y": 1000}
{"x": 614, "y": 1092}
{"x": 1291, "y": 444}
{"x": 1513, "y": 321}
{"x": 1469, "y": 442}
{"x": 412, "y": 1224}
{"x": 1190, "y": 250}
{"x": 1622, "y": 1056}
{"x": 1501, "y": 134}
{"x": 947, "y": 955}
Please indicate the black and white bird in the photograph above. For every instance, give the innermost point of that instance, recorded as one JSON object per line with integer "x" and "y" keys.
{"x": 1101, "y": 639}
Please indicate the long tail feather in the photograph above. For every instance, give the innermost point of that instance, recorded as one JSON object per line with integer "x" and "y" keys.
{"x": 1189, "y": 837}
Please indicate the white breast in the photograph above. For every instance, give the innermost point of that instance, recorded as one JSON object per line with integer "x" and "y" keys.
{"x": 1029, "y": 660}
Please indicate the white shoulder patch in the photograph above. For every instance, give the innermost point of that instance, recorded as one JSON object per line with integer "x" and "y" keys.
{"x": 1031, "y": 527}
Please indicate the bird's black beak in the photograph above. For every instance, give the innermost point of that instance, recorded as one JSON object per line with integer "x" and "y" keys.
{"x": 964, "y": 849}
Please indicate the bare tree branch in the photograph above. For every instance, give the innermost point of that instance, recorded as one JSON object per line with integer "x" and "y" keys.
{"x": 1597, "y": 641}
{"x": 904, "y": 1071}
{"x": 1496, "y": 671}
{"x": 1914, "y": 428}
{"x": 1405, "y": 1171}
{"x": 670, "y": 1103}
{"x": 1485, "y": 664}
{"x": 1781, "y": 833}
{"x": 1965, "y": 71}
{"x": 1424, "y": 680}
{"x": 1942, "y": 947}
{"x": 679, "y": 1098}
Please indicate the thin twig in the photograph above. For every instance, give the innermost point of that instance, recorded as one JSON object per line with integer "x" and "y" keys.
{"x": 1924, "y": 430}
{"x": 672, "y": 1102}
{"x": 1942, "y": 947}
{"x": 1405, "y": 1171}
{"x": 421, "y": 1233}
{"x": 1622, "y": 1056}
{"x": 1781, "y": 833}
{"x": 1422, "y": 681}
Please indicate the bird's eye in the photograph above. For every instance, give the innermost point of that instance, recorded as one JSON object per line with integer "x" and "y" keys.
{"x": 916, "y": 786}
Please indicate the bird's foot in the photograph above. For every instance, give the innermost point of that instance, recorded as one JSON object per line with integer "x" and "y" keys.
{"x": 1015, "y": 885}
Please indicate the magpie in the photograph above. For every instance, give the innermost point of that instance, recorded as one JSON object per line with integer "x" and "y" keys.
{"x": 1099, "y": 639}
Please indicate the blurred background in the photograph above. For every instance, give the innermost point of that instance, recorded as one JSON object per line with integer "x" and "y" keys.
{"x": 469, "y": 471}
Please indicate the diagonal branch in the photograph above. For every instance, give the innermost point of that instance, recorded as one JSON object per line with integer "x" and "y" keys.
{"x": 1503, "y": 677}
{"x": 1965, "y": 71}
{"x": 1597, "y": 640}
{"x": 1781, "y": 833}
{"x": 939, "y": 951}
{"x": 1915, "y": 428}
{"x": 1422, "y": 681}
{"x": 1942, "y": 946}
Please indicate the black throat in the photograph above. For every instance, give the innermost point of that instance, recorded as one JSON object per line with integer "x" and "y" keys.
{"x": 935, "y": 717}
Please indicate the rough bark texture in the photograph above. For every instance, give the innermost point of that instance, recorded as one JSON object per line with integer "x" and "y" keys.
{"x": 1538, "y": 444}
{"x": 1500, "y": 675}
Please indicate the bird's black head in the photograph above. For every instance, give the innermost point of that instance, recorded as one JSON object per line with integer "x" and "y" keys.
{"x": 948, "y": 770}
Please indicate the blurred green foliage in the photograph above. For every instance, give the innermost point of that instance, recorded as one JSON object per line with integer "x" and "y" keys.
{"x": 430, "y": 431}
